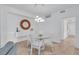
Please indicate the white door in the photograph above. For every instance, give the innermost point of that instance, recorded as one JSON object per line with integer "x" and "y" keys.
{"x": 69, "y": 27}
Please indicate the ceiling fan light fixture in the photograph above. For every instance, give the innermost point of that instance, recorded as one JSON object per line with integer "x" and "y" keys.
{"x": 39, "y": 19}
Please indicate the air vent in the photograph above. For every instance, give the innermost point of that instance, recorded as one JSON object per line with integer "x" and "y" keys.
{"x": 48, "y": 16}
{"x": 63, "y": 11}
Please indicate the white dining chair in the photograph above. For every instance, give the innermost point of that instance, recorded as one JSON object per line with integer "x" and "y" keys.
{"x": 36, "y": 43}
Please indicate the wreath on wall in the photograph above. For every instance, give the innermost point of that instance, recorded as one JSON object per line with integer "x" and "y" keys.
{"x": 25, "y": 24}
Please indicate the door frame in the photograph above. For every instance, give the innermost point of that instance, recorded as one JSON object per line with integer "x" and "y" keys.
{"x": 66, "y": 26}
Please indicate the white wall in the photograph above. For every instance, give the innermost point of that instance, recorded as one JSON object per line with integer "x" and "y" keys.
{"x": 0, "y": 27}
{"x": 3, "y": 24}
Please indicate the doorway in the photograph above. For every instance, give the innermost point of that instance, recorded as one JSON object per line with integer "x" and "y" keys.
{"x": 69, "y": 27}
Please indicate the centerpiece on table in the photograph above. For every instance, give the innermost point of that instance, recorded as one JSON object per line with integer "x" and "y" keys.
{"x": 40, "y": 35}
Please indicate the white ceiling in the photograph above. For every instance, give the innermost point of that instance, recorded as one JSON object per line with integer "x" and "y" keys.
{"x": 41, "y": 9}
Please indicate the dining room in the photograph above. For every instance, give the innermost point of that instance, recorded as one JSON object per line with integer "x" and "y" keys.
{"x": 39, "y": 29}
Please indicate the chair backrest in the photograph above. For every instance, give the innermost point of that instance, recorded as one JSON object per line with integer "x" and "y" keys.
{"x": 35, "y": 41}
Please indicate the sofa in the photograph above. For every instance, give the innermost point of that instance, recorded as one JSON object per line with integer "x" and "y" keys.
{"x": 8, "y": 49}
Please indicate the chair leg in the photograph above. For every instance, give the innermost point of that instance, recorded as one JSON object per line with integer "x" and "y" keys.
{"x": 31, "y": 51}
{"x": 39, "y": 51}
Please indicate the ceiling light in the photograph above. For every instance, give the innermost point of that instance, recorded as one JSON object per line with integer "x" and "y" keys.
{"x": 39, "y": 19}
